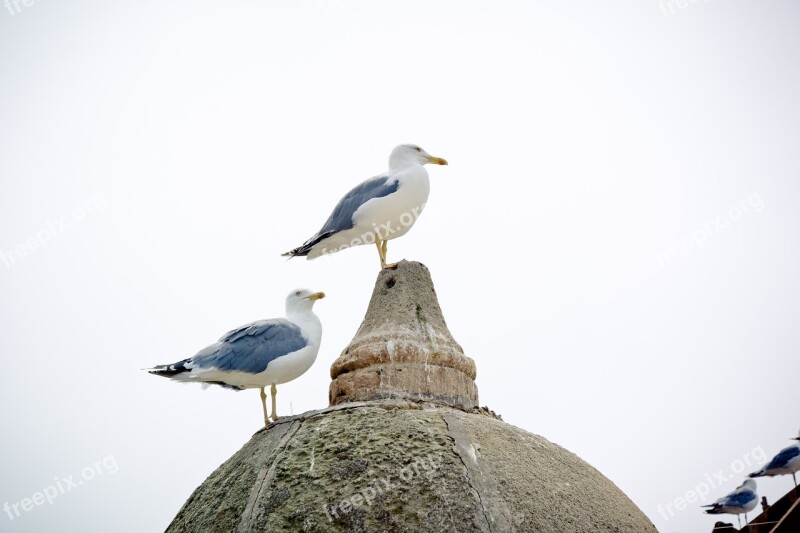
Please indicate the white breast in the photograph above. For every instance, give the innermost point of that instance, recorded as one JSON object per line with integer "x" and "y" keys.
{"x": 393, "y": 215}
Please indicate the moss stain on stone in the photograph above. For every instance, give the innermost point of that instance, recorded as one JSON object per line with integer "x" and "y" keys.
{"x": 405, "y": 459}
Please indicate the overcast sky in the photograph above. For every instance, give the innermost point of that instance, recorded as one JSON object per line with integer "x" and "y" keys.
{"x": 615, "y": 240}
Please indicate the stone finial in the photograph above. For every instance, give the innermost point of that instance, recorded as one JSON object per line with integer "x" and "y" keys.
{"x": 403, "y": 348}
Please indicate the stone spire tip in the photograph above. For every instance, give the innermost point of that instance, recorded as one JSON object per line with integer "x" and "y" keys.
{"x": 403, "y": 348}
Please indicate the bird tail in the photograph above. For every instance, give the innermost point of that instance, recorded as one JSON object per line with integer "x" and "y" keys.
{"x": 171, "y": 371}
{"x": 305, "y": 249}
{"x": 715, "y": 508}
{"x": 757, "y": 474}
{"x": 180, "y": 371}
{"x": 300, "y": 251}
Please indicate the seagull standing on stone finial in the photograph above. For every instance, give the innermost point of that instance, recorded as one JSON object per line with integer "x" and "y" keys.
{"x": 379, "y": 209}
{"x": 786, "y": 462}
{"x": 265, "y": 352}
{"x": 742, "y": 500}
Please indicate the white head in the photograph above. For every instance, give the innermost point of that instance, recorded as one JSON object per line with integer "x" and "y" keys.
{"x": 406, "y": 155}
{"x": 300, "y": 300}
{"x": 748, "y": 483}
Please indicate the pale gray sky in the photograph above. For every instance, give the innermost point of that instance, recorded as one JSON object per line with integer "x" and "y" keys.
{"x": 614, "y": 241}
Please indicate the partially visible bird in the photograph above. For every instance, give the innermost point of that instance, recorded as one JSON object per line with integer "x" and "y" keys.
{"x": 786, "y": 462}
{"x": 379, "y": 209}
{"x": 265, "y": 352}
{"x": 742, "y": 500}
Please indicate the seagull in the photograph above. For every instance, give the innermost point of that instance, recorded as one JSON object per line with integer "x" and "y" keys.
{"x": 742, "y": 500}
{"x": 377, "y": 210}
{"x": 265, "y": 352}
{"x": 786, "y": 462}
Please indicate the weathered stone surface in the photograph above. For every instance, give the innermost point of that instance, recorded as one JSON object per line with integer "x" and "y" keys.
{"x": 403, "y": 348}
{"x": 410, "y": 381}
{"x": 405, "y": 467}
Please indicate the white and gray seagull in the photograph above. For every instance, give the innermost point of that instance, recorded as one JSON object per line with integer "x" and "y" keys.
{"x": 742, "y": 500}
{"x": 377, "y": 210}
{"x": 787, "y": 461}
{"x": 265, "y": 352}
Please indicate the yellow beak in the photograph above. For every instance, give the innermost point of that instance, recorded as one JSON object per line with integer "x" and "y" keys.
{"x": 316, "y": 296}
{"x": 436, "y": 160}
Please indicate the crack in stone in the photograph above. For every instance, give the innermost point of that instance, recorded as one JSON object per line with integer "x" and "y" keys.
{"x": 466, "y": 472}
{"x": 267, "y": 473}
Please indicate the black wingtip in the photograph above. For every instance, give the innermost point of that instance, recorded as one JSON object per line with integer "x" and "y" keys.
{"x": 163, "y": 372}
{"x": 169, "y": 371}
{"x": 305, "y": 249}
{"x": 297, "y": 252}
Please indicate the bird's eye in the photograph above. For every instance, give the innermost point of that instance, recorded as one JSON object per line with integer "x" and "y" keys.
{"x": 297, "y": 293}
{"x": 417, "y": 148}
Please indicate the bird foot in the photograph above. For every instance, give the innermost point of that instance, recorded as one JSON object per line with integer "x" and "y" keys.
{"x": 390, "y": 266}
{"x": 269, "y": 423}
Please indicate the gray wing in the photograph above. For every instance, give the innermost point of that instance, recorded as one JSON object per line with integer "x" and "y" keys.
{"x": 784, "y": 456}
{"x": 740, "y": 499}
{"x": 252, "y": 347}
{"x": 342, "y": 217}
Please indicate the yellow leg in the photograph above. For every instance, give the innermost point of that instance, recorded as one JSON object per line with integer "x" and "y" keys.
{"x": 381, "y": 245}
{"x": 378, "y": 242}
{"x": 264, "y": 406}
{"x": 384, "y": 264}
{"x": 274, "y": 392}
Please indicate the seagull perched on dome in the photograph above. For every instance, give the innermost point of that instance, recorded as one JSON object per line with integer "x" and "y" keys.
{"x": 377, "y": 210}
{"x": 265, "y": 352}
{"x": 742, "y": 500}
{"x": 787, "y": 461}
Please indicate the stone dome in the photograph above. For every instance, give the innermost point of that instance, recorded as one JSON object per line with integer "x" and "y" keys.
{"x": 404, "y": 447}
